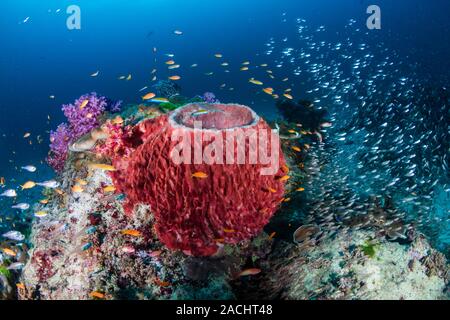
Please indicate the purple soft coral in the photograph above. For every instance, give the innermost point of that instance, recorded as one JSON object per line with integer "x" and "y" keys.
{"x": 83, "y": 116}
{"x": 59, "y": 142}
{"x": 84, "y": 119}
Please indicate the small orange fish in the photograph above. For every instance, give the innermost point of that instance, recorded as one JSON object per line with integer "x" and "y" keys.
{"x": 20, "y": 286}
{"x": 109, "y": 189}
{"x": 132, "y": 232}
{"x": 43, "y": 201}
{"x": 284, "y": 178}
{"x": 288, "y": 96}
{"x": 249, "y": 272}
{"x": 272, "y": 190}
{"x": 59, "y": 191}
{"x": 170, "y": 62}
{"x": 77, "y": 188}
{"x": 117, "y": 120}
{"x": 149, "y": 96}
{"x": 162, "y": 283}
{"x": 84, "y": 104}
{"x": 300, "y": 189}
{"x": 285, "y": 168}
{"x": 9, "y": 252}
{"x": 287, "y": 200}
{"x": 174, "y": 78}
{"x": 200, "y": 175}
{"x": 98, "y": 295}
{"x": 228, "y": 230}
{"x": 268, "y": 90}
{"x": 296, "y": 149}
{"x": 272, "y": 235}
{"x": 2, "y": 181}
{"x": 219, "y": 240}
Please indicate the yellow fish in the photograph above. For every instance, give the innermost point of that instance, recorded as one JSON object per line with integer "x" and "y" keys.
{"x": 41, "y": 214}
{"x": 28, "y": 185}
{"x": 9, "y": 252}
{"x": 296, "y": 149}
{"x": 128, "y": 78}
{"x": 149, "y": 96}
{"x": 109, "y": 189}
{"x": 200, "y": 175}
{"x": 161, "y": 100}
{"x": 284, "y": 178}
{"x": 254, "y": 81}
{"x": 131, "y": 232}
{"x": 288, "y": 96}
{"x": 174, "y": 78}
{"x": 101, "y": 166}
{"x": 84, "y": 104}
{"x": 300, "y": 189}
{"x": 228, "y": 230}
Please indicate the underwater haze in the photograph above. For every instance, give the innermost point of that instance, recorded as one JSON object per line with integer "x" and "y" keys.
{"x": 363, "y": 116}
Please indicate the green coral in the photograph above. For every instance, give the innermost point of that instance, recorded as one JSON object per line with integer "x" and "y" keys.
{"x": 4, "y": 271}
{"x": 369, "y": 249}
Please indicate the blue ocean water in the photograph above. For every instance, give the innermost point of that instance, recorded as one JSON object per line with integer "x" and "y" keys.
{"x": 40, "y": 57}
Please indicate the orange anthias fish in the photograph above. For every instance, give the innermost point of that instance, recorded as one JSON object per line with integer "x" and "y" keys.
{"x": 9, "y": 252}
{"x": 132, "y": 232}
{"x": 20, "y": 285}
{"x": 84, "y": 104}
{"x": 249, "y": 272}
{"x": 28, "y": 185}
{"x": 149, "y": 96}
{"x": 109, "y": 189}
{"x": 288, "y": 96}
{"x": 268, "y": 90}
{"x": 2, "y": 181}
{"x": 98, "y": 295}
{"x": 200, "y": 175}
{"x": 162, "y": 283}
{"x": 284, "y": 178}
{"x": 174, "y": 78}
{"x": 101, "y": 166}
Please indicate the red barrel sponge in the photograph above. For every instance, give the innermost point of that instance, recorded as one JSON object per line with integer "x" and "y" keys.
{"x": 211, "y": 173}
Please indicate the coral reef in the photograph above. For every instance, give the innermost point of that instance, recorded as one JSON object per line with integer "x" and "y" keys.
{"x": 228, "y": 203}
{"x": 353, "y": 265}
{"x": 81, "y": 247}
